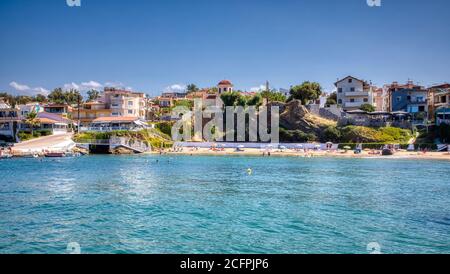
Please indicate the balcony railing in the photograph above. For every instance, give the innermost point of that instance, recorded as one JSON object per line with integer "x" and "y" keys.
{"x": 15, "y": 119}
{"x": 104, "y": 129}
{"x": 353, "y": 104}
{"x": 356, "y": 93}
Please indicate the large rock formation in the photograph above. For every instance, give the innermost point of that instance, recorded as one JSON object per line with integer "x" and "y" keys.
{"x": 295, "y": 116}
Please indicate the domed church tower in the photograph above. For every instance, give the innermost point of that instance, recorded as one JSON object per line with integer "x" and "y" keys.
{"x": 225, "y": 86}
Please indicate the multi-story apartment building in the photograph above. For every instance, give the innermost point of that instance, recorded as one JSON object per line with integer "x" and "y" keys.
{"x": 89, "y": 112}
{"x": 9, "y": 119}
{"x": 352, "y": 93}
{"x": 439, "y": 106}
{"x": 409, "y": 98}
{"x": 124, "y": 103}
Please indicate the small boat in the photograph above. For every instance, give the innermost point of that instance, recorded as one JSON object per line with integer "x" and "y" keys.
{"x": 55, "y": 154}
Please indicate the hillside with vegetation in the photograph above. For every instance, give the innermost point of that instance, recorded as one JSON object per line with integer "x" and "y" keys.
{"x": 299, "y": 125}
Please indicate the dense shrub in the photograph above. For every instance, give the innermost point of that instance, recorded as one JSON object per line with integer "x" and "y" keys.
{"x": 296, "y": 136}
{"x": 25, "y": 136}
{"x": 165, "y": 127}
{"x": 331, "y": 134}
{"x": 357, "y": 134}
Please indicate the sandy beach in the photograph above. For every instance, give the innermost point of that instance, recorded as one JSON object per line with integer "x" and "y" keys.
{"x": 307, "y": 154}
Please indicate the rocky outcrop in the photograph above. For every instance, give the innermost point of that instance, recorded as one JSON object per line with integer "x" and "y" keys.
{"x": 295, "y": 116}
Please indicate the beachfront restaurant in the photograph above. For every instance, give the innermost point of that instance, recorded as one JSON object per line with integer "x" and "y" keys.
{"x": 105, "y": 124}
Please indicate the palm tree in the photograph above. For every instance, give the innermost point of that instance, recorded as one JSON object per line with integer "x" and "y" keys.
{"x": 32, "y": 120}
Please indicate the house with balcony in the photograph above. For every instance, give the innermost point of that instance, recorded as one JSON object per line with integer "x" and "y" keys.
{"x": 410, "y": 98}
{"x": 9, "y": 119}
{"x": 352, "y": 93}
{"x": 62, "y": 110}
{"x": 124, "y": 103}
{"x": 439, "y": 106}
{"x": 89, "y": 112}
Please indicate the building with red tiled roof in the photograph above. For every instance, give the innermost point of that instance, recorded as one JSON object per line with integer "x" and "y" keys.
{"x": 225, "y": 86}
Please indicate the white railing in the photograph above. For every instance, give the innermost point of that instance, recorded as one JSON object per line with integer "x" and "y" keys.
{"x": 104, "y": 129}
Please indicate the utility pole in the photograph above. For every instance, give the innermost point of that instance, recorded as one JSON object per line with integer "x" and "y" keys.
{"x": 78, "y": 126}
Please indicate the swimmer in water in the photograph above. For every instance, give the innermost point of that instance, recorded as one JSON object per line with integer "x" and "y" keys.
{"x": 249, "y": 171}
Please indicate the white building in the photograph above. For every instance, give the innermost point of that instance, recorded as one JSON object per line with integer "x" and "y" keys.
{"x": 352, "y": 93}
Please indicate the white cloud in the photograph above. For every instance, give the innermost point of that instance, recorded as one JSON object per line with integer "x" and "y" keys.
{"x": 27, "y": 90}
{"x": 176, "y": 88}
{"x": 91, "y": 85}
{"x": 71, "y": 86}
{"x": 41, "y": 90}
{"x": 114, "y": 84}
{"x": 258, "y": 89}
{"x": 19, "y": 87}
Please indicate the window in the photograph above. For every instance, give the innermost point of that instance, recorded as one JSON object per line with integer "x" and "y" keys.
{"x": 130, "y": 111}
{"x": 115, "y": 114}
{"x": 408, "y": 98}
{"x": 340, "y": 101}
{"x": 421, "y": 108}
{"x": 399, "y": 98}
{"x": 444, "y": 99}
{"x": 366, "y": 100}
{"x": 130, "y": 103}
{"x": 340, "y": 90}
{"x": 350, "y": 80}
{"x": 352, "y": 100}
{"x": 352, "y": 89}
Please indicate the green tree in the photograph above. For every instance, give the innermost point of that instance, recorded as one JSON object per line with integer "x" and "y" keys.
{"x": 72, "y": 97}
{"x": 192, "y": 88}
{"x": 332, "y": 99}
{"x": 367, "y": 108}
{"x": 40, "y": 98}
{"x": 331, "y": 134}
{"x": 230, "y": 98}
{"x": 273, "y": 96}
{"x": 32, "y": 120}
{"x": 57, "y": 96}
{"x": 241, "y": 101}
{"x": 255, "y": 100}
{"x": 23, "y": 100}
{"x": 306, "y": 92}
{"x": 93, "y": 95}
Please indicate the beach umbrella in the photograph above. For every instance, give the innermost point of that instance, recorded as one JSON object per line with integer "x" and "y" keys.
{"x": 241, "y": 146}
{"x": 347, "y": 147}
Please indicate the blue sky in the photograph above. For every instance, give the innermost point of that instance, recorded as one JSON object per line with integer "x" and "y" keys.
{"x": 151, "y": 45}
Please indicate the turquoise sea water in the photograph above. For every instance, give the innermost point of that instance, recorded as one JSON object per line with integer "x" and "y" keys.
{"x": 163, "y": 204}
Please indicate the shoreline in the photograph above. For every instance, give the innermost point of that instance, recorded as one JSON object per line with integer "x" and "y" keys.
{"x": 400, "y": 155}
